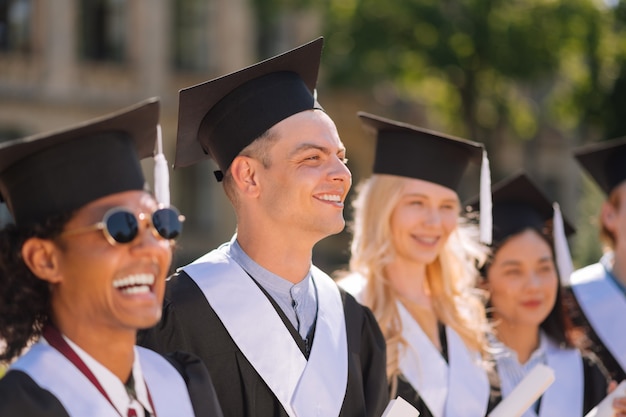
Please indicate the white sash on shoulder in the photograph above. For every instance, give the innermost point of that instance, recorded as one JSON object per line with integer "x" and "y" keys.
{"x": 565, "y": 396}
{"x": 54, "y": 372}
{"x": 603, "y": 304}
{"x": 168, "y": 391}
{"x": 304, "y": 388}
{"x": 458, "y": 388}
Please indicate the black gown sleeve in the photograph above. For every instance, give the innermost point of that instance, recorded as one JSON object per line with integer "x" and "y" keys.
{"x": 596, "y": 384}
{"x": 366, "y": 392}
{"x": 20, "y": 396}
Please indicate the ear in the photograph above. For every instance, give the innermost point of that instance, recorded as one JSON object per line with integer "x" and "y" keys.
{"x": 245, "y": 174}
{"x": 608, "y": 216}
{"x": 41, "y": 257}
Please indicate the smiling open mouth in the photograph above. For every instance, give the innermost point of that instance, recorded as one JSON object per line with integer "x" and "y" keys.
{"x": 135, "y": 284}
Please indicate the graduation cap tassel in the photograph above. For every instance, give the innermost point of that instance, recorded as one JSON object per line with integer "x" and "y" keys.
{"x": 486, "y": 221}
{"x": 562, "y": 254}
{"x": 161, "y": 173}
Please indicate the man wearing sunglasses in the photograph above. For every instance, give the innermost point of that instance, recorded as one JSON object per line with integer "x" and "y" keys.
{"x": 278, "y": 336}
{"x": 82, "y": 268}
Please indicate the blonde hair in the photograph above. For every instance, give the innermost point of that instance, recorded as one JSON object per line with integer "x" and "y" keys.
{"x": 452, "y": 277}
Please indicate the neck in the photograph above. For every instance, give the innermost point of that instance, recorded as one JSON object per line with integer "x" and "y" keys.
{"x": 289, "y": 258}
{"x": 114, "y": 349}
{"x": 522, "y": 339}
{"x": 409, "y": 281}
{"x": 619, "y": 266}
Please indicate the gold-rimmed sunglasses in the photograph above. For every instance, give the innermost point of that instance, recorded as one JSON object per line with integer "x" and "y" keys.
{"x": 120, "y": 225}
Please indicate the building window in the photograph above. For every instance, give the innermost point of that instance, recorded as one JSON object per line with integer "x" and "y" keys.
{"x": 191, "y": 35}
{"x": 103, "y": 30}
{"x": 15, "y": 26}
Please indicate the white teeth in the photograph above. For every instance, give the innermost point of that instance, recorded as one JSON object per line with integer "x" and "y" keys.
{"x": 134, "y": 281}
{"x": 330, "y": 197}
{"x": 430, "y": 240}
{"x": 141, "y": 289}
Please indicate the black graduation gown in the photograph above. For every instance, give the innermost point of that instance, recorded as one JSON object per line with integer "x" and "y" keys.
{"x": 20, "y": 396}
{"x": 595, "y": 387}
{"x": 190, "y": 324}
{"x": 579, "y": 320}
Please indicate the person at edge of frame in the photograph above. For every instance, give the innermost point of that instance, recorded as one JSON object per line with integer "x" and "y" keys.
{"x": 82, "y": 268}
{"x": 596, "y": 294}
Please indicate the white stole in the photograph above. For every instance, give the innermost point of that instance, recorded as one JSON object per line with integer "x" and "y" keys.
{"x": 304, "y": 388}
{"x": 602, "y": 302}
{"x": 459, "y": 387}
{"x": 565, "y": 397}
{"x": 54, "y": 372}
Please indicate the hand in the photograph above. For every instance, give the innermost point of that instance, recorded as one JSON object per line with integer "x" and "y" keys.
{"x": 619, "y": 403}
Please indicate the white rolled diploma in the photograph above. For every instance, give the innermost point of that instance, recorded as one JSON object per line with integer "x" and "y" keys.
{"x": 605, "y": 408}
{"x": 525, "y": 393}
{"x": 400, "y": 408}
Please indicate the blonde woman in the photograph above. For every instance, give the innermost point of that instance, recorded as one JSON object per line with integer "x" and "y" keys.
{"x": 414, "y": 263}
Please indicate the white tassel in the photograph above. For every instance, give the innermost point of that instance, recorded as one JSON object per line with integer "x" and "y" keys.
{"x": 561, "y": 248}
{"x": 486, "y": 221}
{"x": 161, "y": 173}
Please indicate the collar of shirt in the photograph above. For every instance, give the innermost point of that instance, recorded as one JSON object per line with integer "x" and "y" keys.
{"x": 511, "y": 372}
{"x": 297, "y": 301}
{"x": 114, "y": 387}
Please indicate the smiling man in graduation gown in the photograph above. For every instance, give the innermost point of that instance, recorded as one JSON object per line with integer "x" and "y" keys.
{"x": 600, "y": 289}
{"x": 277, "y": 334}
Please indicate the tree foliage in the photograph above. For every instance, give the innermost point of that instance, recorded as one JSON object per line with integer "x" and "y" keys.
{"x": 485, "y": 68}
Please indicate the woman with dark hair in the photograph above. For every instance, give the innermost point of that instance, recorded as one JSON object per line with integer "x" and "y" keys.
{"x": 82, "y": 269}
{"x": 526, "y": 305}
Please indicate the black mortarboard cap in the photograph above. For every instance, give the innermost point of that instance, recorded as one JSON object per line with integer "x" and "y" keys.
{"x": 605, "y": 162}
{"x": 517, "y": 204}
{"x": 414, "y": 152}
{"x": 220, "y": 117}
{"x": 61, "y": 171}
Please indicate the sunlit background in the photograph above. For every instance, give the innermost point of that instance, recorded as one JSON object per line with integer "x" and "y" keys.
{"x": 532, "y": 79}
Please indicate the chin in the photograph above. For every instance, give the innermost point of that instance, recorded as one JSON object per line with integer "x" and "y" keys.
{"x": 147, "y": 321}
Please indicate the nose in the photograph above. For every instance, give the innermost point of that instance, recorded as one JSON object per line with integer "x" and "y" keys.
{"x": 433, "y": 217}
{"x": 340, "y": 171}
{"x": 148, "y": 237}
{"x": 534, "y": 280}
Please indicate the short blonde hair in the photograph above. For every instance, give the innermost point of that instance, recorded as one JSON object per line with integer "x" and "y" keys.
{"x": 452, "y": 277}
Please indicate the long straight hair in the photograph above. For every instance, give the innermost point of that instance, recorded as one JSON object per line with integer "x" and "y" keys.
{"x": 452, "y": 276}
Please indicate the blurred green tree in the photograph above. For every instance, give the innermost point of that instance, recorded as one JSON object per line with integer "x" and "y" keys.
{"x": 486, "y": 69}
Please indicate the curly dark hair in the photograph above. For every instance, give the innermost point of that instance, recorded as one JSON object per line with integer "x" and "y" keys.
{"x": 24, "y": 298}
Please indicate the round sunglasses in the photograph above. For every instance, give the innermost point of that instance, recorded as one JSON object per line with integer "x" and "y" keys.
{"x": 120, "y": 225}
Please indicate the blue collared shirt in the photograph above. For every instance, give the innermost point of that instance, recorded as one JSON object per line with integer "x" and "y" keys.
{"x": 511, "y": 372}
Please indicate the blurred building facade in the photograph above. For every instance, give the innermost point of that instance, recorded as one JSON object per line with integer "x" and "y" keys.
{"x": 65, "y": 61}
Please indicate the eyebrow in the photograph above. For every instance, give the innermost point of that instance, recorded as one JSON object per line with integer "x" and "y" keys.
{"x": 303, "y": 147}
{"x": 516, "y": 262}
